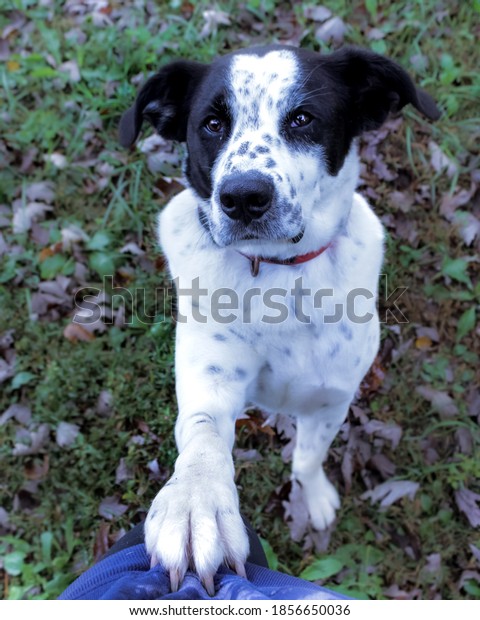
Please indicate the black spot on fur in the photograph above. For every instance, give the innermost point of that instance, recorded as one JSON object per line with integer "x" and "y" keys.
{"x": 224, "y": 512}
{"x": 214, "y": 370}
{"x": 238, "y": 335}
{"x": 334, "y": 349}
{"x": 346, "y": 331}
{"x": 270, "y": 163}
{"x": 243, "y": 148}
{"x": 267, "y": 138}
{"x": 219, "y": 337}
{"x": 262, "y": 149}
{"x": 240, "y": 373}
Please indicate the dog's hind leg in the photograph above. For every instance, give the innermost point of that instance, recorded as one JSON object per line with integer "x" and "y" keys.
{"x": 315, "y": 433}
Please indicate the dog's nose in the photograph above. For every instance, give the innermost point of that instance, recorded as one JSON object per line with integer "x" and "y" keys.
{"x": 246, "y": 196}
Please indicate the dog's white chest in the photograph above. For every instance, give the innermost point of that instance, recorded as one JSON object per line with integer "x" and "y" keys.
{"x": 311, "y": 330}
{"x": 311, "y": 368}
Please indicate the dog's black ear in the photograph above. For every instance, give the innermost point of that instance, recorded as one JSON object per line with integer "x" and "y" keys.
{"x": 164, "y": 100}
{"x": 378, "y": 86}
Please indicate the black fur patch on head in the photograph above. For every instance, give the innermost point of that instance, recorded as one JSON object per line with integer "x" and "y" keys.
{"x": 347, "y": 93}
{"x": 165, "y": 101}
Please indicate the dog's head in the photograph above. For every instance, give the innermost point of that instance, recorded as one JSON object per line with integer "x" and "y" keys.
{"x": 270, "y": 135}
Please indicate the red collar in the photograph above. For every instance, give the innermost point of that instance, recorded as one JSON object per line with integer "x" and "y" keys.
{"x": 294, "y": 260}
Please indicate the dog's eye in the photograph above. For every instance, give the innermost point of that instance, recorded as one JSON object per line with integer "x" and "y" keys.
{"x": 214, "y": 124}
{"x": 300, "y": 119}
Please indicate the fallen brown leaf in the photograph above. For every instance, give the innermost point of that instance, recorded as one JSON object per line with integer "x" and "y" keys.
{"x": 75, "y": 333}
{"x": 123, "y": 472}
{"x": 101, "y": 544}
{"x": 440, "y": 401}
{"x": 391, "y": 491}
{"x": 423, "y": 343}
{"x": 334, "y": 29}
{"x": 21, "y": 413}
{"x": 66, "y": 434}
{"x": 469, "y": 503}
{"x": 373, "y": 379}
{"x": 110, "y": 508}
{"x": 255, "y": 424}
{"x": 50, "y": 251}
{"x": 35, "y": 441}
{"x": 36, "y": 469}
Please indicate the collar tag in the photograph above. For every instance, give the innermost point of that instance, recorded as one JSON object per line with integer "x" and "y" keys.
{"x": 294, "y": 260}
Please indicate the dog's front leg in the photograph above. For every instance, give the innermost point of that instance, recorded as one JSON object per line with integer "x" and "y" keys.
{"x": 194, "y": 520}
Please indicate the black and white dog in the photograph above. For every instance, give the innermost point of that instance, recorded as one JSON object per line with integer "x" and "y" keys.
{"x": 276, "y": 261}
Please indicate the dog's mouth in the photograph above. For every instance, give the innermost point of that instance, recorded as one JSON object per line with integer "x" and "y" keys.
{"x": 261, "y": 233}
{"x": 254, "y": 237}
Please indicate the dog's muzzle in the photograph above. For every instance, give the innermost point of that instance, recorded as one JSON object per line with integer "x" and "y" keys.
{"x": 246, "y": 196}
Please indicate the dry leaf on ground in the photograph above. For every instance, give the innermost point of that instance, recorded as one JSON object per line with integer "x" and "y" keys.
{"x": 389, "y": 492}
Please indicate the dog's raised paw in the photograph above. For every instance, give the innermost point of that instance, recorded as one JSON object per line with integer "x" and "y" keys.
{"x": 198, "y": 526}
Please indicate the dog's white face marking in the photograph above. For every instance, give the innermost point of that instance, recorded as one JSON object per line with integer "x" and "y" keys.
{"x": 258, "y": 90}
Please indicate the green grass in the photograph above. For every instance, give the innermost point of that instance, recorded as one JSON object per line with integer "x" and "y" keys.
{"x": 52, "y": 498}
